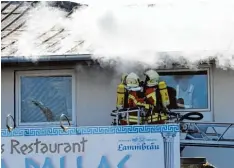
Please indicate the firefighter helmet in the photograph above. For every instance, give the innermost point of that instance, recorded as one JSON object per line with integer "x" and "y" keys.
{"x": 152, "y": 78}
{"x": 132, "y": 80}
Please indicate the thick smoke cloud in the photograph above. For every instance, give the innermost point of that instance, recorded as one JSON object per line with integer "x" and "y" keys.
{"x": 167, "y": 31}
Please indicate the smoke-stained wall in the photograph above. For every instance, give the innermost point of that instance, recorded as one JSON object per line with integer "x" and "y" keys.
{"x": 96, "y": 94}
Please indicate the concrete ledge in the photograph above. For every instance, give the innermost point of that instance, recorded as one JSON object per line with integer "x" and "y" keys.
{"x": 192, "y": 160}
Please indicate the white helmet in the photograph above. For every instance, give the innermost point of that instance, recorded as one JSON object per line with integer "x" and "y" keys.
{"x": 132, "y": 80}
{"x": 152, "y": 78}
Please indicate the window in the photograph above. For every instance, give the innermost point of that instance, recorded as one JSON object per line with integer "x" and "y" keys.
{"x": 192, "y": 88}
{"x": 42, "y": 96}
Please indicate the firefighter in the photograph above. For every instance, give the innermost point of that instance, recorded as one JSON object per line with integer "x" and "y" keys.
{"x": 156, "y": 94}
{"x": 135, "y": 97}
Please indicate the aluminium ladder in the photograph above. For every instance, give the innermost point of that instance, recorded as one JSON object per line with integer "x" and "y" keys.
{"x": 207, "y": 134}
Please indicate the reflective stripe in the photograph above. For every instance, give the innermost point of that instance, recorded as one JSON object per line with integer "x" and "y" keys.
{"x": 133, "y": 117}
{"x": 133, "y": 98}
{"x": 132, "y": 120}
{"x": 162, "y": 116}
{"x": 136, "y": 121}
{"x": 152, "y": 95}
{"x": 155, "y": 118}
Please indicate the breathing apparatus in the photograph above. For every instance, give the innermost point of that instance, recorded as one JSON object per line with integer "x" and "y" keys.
{"x": 121, "y": 101}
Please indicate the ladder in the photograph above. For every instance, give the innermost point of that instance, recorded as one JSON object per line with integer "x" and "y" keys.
{"x": 207, "y": 134}
{"x": 202, "y": 134}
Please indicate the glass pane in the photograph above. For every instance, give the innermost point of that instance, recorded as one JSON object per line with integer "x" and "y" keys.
{"x": 191, "y": 88}
{"x": 45, "y": 98}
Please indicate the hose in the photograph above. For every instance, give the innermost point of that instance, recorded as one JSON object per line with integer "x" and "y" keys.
{"x": 192, "y": 116}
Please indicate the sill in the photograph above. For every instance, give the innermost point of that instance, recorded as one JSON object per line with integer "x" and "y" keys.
{"x": 190, "y": 110}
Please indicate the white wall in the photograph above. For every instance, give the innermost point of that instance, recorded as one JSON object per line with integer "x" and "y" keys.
{"x": 223, "y": 108}
{"x": 96, "y": 92}
{"x": 7, "y": 95}
{"x": 223, "y": 95}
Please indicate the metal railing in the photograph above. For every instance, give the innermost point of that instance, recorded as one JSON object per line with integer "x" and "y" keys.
{"x": 13, "y": 126}
{"x": 193, "y": 133}
{"x": 207, "y": 134}
{"x": 124, "y": 113}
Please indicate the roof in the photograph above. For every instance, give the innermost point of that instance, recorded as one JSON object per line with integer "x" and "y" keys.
{"x": 14, "y": 17}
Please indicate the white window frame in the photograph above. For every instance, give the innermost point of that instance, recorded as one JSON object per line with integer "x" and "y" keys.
{"x": 35, "y": 73}
{"x": 209, "y": 86}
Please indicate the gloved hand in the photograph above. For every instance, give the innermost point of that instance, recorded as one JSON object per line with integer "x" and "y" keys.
{"x": 180, "y": 103}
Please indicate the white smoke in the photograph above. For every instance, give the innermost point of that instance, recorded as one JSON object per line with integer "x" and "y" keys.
{"x": 130, "y": 31}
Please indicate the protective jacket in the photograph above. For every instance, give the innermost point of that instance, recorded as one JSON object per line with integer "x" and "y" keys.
{"x": 135, "y": 99}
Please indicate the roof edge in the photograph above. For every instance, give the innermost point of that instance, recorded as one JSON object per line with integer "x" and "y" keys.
{"x": 47, "y": 58}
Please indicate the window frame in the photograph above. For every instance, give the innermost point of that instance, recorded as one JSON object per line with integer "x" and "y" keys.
{"x": 209, "y": 86}
{"x": 59, "y": 72}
